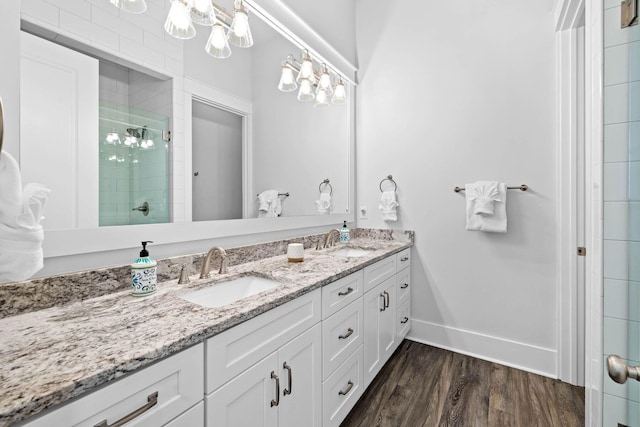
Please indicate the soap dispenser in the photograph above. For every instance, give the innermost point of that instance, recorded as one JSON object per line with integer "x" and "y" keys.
{"x": 143, "y": 273}
{"x": 344, "y": 233}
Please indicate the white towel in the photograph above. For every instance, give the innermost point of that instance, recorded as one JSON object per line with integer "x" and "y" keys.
{"x": 486, "y": 204}
{"x": 388, "y": 206}
{"x": 323, "y": 205}
{"x": 21, "y": 234}
{"x": 269, "y": 205}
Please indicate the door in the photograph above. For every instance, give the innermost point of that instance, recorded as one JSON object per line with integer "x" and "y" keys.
{"x": 301, "y": 380}
{"x": 621, "y": 194}
{"x": 379, "y": 332}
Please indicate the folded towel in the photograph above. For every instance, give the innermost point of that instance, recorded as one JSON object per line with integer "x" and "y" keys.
{"x": 269, "y": 205}
{"x": 486, "y": 204}
{"x": 21, "y": 234}
{"x": 323, "y": 205}
{"x": 388, "y": 206}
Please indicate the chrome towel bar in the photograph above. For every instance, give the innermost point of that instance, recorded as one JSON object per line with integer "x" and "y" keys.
{"x": 522, "y": 187}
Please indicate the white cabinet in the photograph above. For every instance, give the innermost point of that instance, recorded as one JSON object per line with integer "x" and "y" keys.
{"x": 268, "y": 370}
{"x": 379, "y": 332}
{"x": 158, "y": 394}
{"x": 343, "y": 388}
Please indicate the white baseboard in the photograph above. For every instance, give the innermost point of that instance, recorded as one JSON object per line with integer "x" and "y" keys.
{"x": 515, "y": 354}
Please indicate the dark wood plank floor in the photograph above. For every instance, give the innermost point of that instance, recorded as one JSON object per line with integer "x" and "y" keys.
{"x": 427, "y": 386}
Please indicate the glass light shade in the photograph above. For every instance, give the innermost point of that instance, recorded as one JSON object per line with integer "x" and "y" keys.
{"x": 218, "y": 45}
{"x": 131, "y": 141}
{"x": 147, "y": 144}
{"x": 306, "y": 71}
{"x": 306, "y": 91}
{"x": 287, "y": 81}
{"x": 239, "y": 32}
{"x": 324, "y": 82}
{"x": 130, "y": 6}
{"x": 322, "y": 99}
{"x": 178, "y": 23}
{"x": 112, "y": 138}
{"x": 339, "y": 93}
{"x": 202, "y": 13}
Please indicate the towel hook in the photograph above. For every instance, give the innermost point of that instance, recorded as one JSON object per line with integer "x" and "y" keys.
{"x": 1, "y": 124}
{"x": 326, "y": 183}
{"x": 389, "y": 178}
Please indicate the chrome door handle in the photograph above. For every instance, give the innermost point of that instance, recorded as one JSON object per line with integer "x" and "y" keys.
{"x": 347, "y": 335}
{"x": 619, "y": 371}
{"x": 276, "y": 401}
{"x": 290, "y": 381}
{"x": 347, "y": 292}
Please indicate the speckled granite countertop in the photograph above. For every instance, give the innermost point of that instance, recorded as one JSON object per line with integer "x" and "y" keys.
{"x": 52, "y": 355}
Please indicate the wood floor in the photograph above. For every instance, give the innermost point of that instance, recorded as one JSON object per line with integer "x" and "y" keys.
{"x": 427, "y": 386}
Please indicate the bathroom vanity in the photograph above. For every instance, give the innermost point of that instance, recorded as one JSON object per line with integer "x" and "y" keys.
{"x": 300, "y": 353}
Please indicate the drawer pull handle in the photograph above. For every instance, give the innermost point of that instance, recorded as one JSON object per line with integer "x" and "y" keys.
{"x": 290, "y": 380}
{"x": 347, "y": 292}
{"x": 404, "y": 320}
{"x": 384, "y": 303}
{"x": 346, "y": 390}
{"x": 386, "y": 299}
{"x": 404, "y": 258}
{"x": 152, "y": 400}
{"x": 276, "y": 401}
{"x": 404, "y": 286}
{"x": 347, "y": 335}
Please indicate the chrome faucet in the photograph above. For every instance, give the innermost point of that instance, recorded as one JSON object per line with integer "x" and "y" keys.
{"x": 331, "y": 237}
{"x": 206, "y": 265}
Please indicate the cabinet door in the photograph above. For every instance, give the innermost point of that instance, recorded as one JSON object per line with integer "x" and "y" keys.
{"x": 250, "y": 399}
{"x": 379, "y": 331}
{"x": 300, "y": 367}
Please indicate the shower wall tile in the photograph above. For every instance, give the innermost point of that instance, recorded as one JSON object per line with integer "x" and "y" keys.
{"x": 622, "y": 181}
{"x": 630, "y": 390}
{"x": 45, "y": 12}
{"x": 622, "y": 142}
{"x": 622, "y": 63}
{"x": 622, "y": 299}
{"x": 622, "y": 103}
{"x": 613, "y": 34}
{"x": 622, "y": 337}
{"x": 617, "y": 410}
{"x": 620, "y": 260}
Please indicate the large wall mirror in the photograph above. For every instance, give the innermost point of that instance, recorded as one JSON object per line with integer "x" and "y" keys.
{"x": 232, "y": 137}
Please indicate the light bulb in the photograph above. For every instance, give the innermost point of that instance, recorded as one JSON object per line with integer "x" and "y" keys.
{"x": 305, "y": 93}
{"x": 178, "y": 23}
{"x": 339, "y": 93}
{"x": 325, "y": 79}
{"x": 239, "y": 32}
{"x": 287, "y": 81}
{"x": 217, "y": 44}
{"x": 322, "y": 99}
{"x": 306, "y": 71}
{"x": 202, "y": 13}
{"x": 130, "y": 6}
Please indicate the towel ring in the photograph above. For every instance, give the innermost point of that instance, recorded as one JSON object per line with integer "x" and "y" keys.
{"x": 389, "y": 178}
{"x": 1, "y": 124}
{"x": 325, "y": 183}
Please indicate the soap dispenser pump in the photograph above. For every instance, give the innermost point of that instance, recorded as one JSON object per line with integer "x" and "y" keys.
{"x": 143, "y": 273}
{"x": 344, "y": 233}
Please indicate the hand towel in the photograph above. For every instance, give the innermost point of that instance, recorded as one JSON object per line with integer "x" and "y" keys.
{"x": 269, "y": 204}
{"x": 486, "y": 205}
{"x": 388, "y": 206}
{"x": 21, "y": 234}
{"x": 323, "y": 205}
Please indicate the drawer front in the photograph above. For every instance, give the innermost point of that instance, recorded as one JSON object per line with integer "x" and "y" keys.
{"x": 403, "y": 316}
{"x": 194, "y": 417}
{"x": 341, "y": 335}
{"x": 178, "y": 381}
{"x": 379, "y": 272}
{"x": 236, "y": 349}
{"x": 403, "y": 259}
{"x": 341, "y": 293}
{"x": 342, "y": 389}
{"x": 403, "y": 286}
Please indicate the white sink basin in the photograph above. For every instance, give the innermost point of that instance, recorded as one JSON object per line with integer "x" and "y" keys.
{"x": 350, "y": 252}
{"x": 224, "y": 293}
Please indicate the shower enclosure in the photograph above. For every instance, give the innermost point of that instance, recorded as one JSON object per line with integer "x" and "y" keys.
{"x": 133, "y": 167}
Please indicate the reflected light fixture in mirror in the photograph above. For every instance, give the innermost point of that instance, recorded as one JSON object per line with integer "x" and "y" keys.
{"x": 130, "y": 6}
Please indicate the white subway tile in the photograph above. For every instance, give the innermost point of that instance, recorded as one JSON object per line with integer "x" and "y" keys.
{"x": 145, "y": 22}
{"x": 616, "y": 181}
{"x": 621, "y": 337}
{"x": 622, "y": 63}
{"x": 43, "y": 11}
{"x": 616, "y": 220}
{"x": 80, "y": 8}
{"x": 618, "y": 411}
{"x": 142, "y": 55}
{"x": 116, "y": 24}
{"x": 616, "y": 103}
{"x": 613, "y": 34}
{"x": 616, "y": 259}
{"x": 159, "y": 44}
{"x": 97, "y": 35}
{"x": 616, "y": 143}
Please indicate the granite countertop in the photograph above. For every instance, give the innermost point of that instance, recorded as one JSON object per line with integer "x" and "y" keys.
{"x": 52, "y": 355}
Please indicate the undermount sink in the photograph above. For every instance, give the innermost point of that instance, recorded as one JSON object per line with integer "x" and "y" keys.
{"x": 221, "y": 294}
{"x": 351, "y": 252}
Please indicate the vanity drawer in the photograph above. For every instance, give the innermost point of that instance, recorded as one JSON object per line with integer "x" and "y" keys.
{"x": 341, "y": 335}
{"x": 403, "y": 315}
{"x": 341, "y": 293}
{"x": 194, "y": 417}
{"x": 236, "y": 349}
{"x": 178, "y": 381}
{"x": 403, "y": 286}
{"x": 342, "y": 389}
{"x": 379, "y": 272}
{"x": 403, "y": 259}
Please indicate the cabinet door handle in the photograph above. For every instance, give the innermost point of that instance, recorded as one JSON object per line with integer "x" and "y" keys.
{"x": 290, "y": 379}
{"x": 404, "y": 258}
{"x": 384, "y": 303}
{"x": 404, "y": 320}
{"x": 404, "y": 286}
{"x": 347, "y": 335}
{"x": 276, "y": 401}
{"x": 346, "y": 390}
{"x": 347, "y": 292}
{"x": 386, "y": 299}
{"x": 152, "y": 400}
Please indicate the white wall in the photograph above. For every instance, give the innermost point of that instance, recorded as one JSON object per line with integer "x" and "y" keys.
{"x": 452, "y": 93}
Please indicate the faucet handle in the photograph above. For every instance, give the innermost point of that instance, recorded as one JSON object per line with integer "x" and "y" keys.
{"x": 184, "y": 275}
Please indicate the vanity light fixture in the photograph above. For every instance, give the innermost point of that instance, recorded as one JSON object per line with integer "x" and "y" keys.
{"x": 112, "y": 138}
{"x": 218, "y": 44}
{"x": 202, "y": 12}
{"x": 325, "y": 91}
{"x": 130, "y": 6}
{"x": 178, "y": 23}
{"x": 239, "y": 31}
